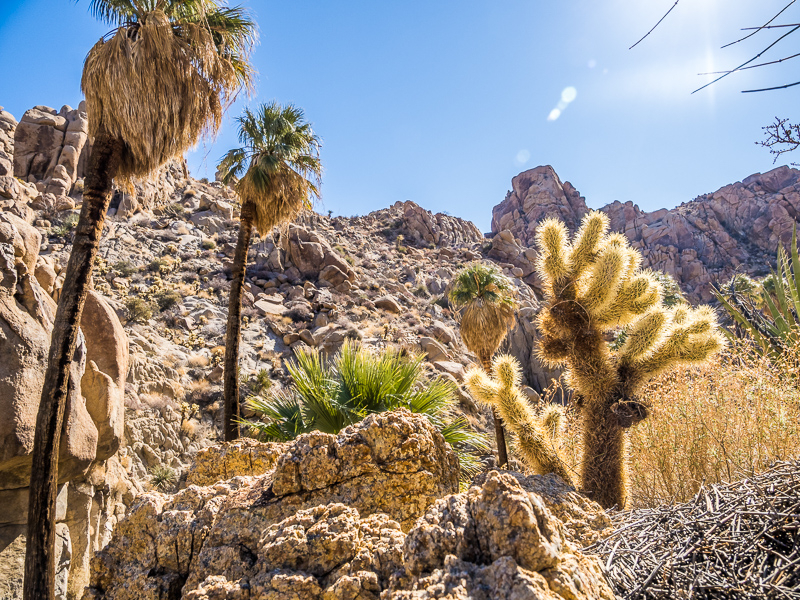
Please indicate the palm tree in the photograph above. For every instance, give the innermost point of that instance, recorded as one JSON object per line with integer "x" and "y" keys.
{"x": 355, "y": 384}
{"x": 153, "y": 85}
{"x": 276, "y": 173}
{"x": 487, "y": 302}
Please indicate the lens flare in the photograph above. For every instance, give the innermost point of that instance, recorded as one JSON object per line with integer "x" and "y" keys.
{"x": 569, "y": 94}
{"x": 554, "y": 114}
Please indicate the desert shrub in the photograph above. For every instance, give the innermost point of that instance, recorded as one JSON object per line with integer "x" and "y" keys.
{"x": 125, "y": 268}
{"x": 138, "y": 310}
{"x": 329, "y": 397}
{"x": 166, "y": 299}
{"x": 208, "y": 244}
{"x": 69, "y": 223}
{"x": 158, "y": 265}
{"x": 421, "y": 291}
{"x": 163, "y": 478}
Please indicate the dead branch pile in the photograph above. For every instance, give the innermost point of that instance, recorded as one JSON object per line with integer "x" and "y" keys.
{"x": 735, "y": 540}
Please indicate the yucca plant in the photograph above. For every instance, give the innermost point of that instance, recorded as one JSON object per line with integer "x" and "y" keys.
{"x": 276, "y": 173}
{"x": 329, "y": 396}
{"x": 593, "y": 286}
{"x": 158, "y": 81}
{"x": 486, "y": 301}
{"x": 770, "y": 313}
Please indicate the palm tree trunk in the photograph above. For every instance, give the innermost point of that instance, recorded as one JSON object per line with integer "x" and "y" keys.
{"x": 233, "y": 335}
{"x": 103, "y": 163}
{"x": 499, "y": 433}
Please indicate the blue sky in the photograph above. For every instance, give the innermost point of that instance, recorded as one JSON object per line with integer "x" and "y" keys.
{"x": 443, "y": 101}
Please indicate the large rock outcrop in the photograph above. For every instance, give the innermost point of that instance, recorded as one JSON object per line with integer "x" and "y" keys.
{"x": 93, "y": 420}
{"x": 699, "y": 243}
{"x": 371, "y": 513}
{"x": 51, "y": 147}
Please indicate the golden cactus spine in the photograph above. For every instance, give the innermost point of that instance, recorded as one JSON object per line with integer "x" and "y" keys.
{"x": 592, "y": 286}
{"x": 537, "y": 434}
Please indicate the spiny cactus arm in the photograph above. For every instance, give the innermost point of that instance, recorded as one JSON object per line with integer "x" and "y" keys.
{"x": 552, "y": 418}
{"x": 480, "y": 385}
{"x": 537, "y": 445}
{"x": 551, "y": 239}
{"x": 693, "y": 337}
{"x": 603, "y": 279}
{"x": 587, "y": 241}
{"x": 644, "y": 334}
{"x": 552, "y": 351}
{"x": 635, "y": 296}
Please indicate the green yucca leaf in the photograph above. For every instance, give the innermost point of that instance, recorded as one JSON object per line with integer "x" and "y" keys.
{"x": 329, "y": 397}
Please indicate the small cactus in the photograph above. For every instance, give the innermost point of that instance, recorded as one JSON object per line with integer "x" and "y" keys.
{"x": 537, "y": 433}
{"x": 592, "y": 287}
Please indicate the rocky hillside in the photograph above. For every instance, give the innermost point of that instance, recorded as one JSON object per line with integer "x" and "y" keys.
{"x": 702, "y": 242}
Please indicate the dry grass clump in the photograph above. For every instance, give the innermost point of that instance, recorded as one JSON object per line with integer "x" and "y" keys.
{"x": 729, "y": 419}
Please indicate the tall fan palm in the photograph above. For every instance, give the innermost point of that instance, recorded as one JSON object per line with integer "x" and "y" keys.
{"x": 487, "y": 301}
{"x": 276, "y": 173}
{"x": 153, "y": 85}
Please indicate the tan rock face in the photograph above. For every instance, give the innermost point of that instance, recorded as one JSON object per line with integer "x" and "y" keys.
{"x": 329, "y": 522}
{"x": 699, "y": 243}
{"x": 233, "y": 459}
{"x": 93, "y": 422}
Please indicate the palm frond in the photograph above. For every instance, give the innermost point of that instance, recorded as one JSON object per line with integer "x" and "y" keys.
{"x": 165, "y": 76}
{"x": 284, "y": 418}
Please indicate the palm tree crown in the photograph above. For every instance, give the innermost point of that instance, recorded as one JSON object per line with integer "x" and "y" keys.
{"x": 277, "y": 169}
{"x": 163, "y": 76}
{"x": 488, "y": 300}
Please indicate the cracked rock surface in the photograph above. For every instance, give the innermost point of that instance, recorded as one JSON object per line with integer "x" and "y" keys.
{"x": 372, "y": 513}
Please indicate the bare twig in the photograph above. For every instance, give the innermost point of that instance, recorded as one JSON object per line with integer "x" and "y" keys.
{"x": 769, "y": 89}
{"x": 657, "y": 24}
{"x": 764, "y": 26}
{"x": 772, "y": 62}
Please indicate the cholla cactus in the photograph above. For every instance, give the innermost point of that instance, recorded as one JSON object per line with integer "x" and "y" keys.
{"x": 537, "y": 433}
{"x": 594, "y": 286}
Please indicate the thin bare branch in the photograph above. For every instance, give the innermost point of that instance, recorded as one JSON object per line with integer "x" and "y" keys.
{"x": 757, "y": 29}
{"x": 769, "y": 89}
{"x": 659, "y": 23}
{"x": 770, "y": 26}
{"x": 772, "y": 62}
{"x": 790, "y": 32}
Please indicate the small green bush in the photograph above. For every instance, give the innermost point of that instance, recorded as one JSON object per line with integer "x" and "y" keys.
{"x": 138, "y": 309}
{"x": 125, "y": 268}
{"x": 421, "y": 291}
{"x": 158, "y": 264}
{"x": 166, "y": 299}
{"x": 329, "y": 397}
{"x": 208, "y": 244}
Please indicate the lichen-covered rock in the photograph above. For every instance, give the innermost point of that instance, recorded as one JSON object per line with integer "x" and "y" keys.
{"x": 332, "y": 504}
{"x": 497, "y": 540}
{"x": 232, "y": 459}
{"x": 329, "y": 524}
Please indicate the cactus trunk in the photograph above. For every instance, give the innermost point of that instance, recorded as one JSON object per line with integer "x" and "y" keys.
{"x": 603, "y": 469}
{"x": 499, "y": 433}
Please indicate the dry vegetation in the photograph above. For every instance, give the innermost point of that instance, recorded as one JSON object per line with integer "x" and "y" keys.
{"x": 720, "y": 422}
{"x": 724, "y": 421}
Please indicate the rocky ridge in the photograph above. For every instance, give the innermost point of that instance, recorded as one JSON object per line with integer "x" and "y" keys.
{"x": 702, "y": 242}
{"x": 386, "y": 522}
